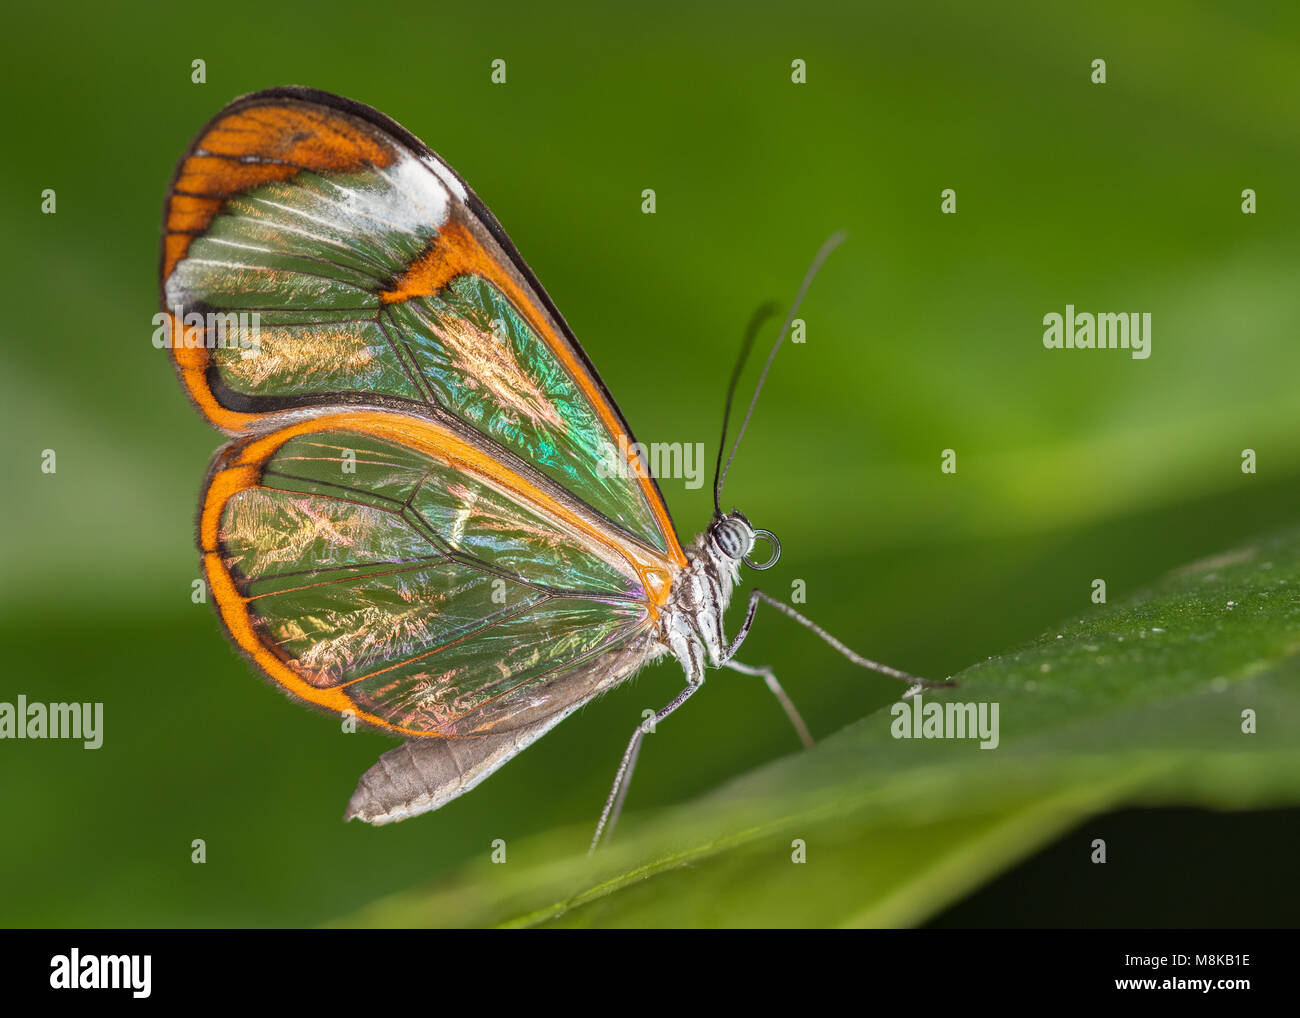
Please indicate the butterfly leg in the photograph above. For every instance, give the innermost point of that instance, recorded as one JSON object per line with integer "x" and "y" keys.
{"x": 614, "y": 803}
{"x": 787, "y": 705}
{"x": 757, "y": 595}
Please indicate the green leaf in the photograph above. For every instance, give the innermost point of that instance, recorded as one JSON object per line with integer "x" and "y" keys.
{"x": 1143, "y": 702}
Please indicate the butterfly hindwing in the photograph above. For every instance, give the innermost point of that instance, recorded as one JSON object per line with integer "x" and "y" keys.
{"x": 386, "y": 566}
{"x": 377, "y": 278}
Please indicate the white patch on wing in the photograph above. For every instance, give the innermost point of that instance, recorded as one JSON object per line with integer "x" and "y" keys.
{"x": 446, "y": 176}
{"x": 407, "y": 198}
{"x": 410, "y": 177}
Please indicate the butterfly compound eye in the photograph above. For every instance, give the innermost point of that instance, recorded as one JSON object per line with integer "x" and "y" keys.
{"x": 732, "y": 537}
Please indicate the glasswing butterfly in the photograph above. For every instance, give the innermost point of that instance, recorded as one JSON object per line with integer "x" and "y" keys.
{"x": 409, "y": 525}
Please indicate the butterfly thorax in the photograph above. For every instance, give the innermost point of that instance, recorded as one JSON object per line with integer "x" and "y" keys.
{"x": 690, "y": 624}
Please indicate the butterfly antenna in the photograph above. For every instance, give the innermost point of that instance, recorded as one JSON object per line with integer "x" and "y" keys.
{"x": 761, "y": 315}
{"x": 832, "y": 242}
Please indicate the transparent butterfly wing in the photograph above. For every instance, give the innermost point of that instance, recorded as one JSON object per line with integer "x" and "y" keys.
{"x": 385, "y": 567}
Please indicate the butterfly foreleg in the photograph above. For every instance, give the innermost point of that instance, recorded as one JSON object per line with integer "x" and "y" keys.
{"x": 743, "y": 631}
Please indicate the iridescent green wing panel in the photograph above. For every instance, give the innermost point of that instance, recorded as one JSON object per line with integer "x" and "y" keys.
{"x": 480, "y": 357}
{"x": 428, "y": 598}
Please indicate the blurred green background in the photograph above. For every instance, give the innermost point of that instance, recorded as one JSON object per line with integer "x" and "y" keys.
{"x": 924, "y": 333}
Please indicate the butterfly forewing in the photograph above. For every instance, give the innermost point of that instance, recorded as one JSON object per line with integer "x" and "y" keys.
{"x": 378, "y": 278}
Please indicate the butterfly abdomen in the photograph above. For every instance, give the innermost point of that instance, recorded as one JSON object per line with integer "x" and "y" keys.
{"x": 422, "y": 774}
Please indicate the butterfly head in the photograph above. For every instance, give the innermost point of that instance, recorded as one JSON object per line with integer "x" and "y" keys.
{"x": 731, "y": 535}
